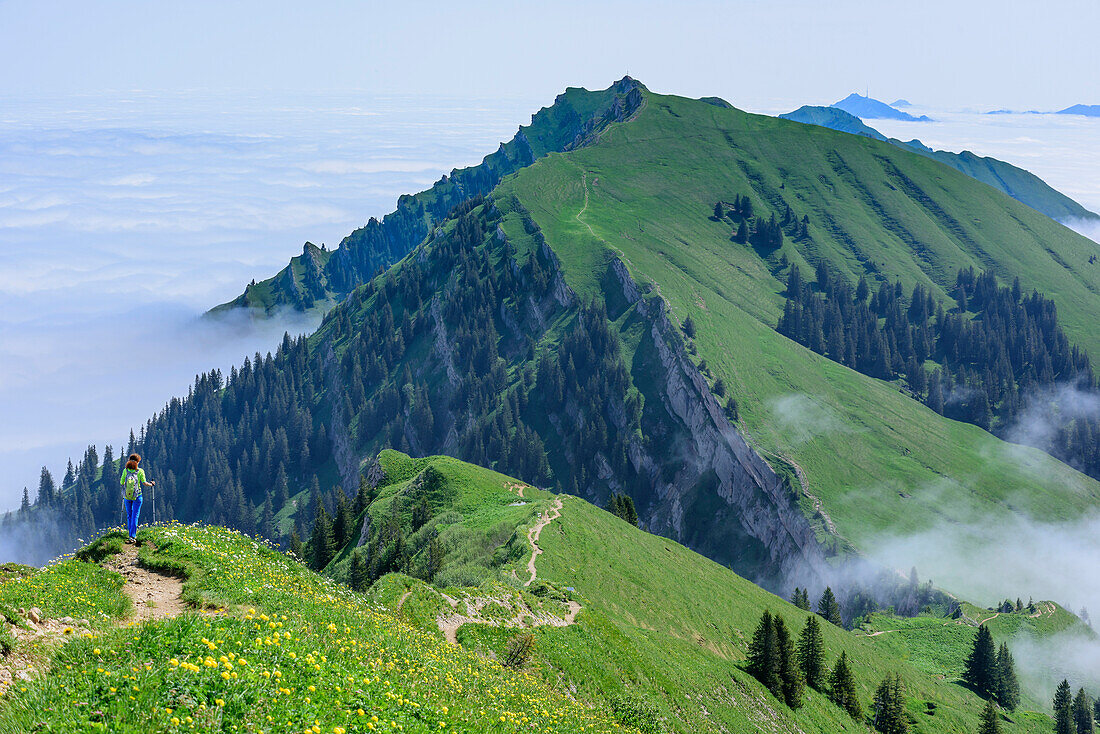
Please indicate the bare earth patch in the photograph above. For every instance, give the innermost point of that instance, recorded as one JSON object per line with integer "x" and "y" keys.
{"x": 154, "y": 595}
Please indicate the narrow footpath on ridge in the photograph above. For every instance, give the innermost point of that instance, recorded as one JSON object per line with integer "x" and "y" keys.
{"x": 533, "y": 537}
{"x": 468, "y": 610}
{"x": 153, "y": 595}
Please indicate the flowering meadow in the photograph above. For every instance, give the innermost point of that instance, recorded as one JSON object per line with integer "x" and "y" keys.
{"x": 69, "y": 588}
{"x": 276, "y": 648}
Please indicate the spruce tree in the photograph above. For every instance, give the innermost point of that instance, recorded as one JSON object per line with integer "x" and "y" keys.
{"x": 630, "y": 514}
{"x": 981, "y": 665}
{"x": 742, "y": 236}
{"x": 267, "y": 520}
{"x": 991, "y": 721}
{"x": 46, "y": 488}
{"x": 357, "y": 576}
{"x": 890, "y": 715}
{"x": 746, "y": 207}
{"x": 1082, "y": 713}
{"x": 322, "y": 544}
{"x": 1063, "y": 709}
{"x": 731, "y": 409}
{"x": 421, "y": 513}
{"x": 341, "y": 524}
{"x": 719, "y": 212}
{"x": 689, "y": 327}
{"x": 829, "y": 608}
{"x": 842, "y": 688}
{"x": 1008, "y": 688}
{"x": 763, "y": 663}
{"x": 362, "y": 497}
{"x": 811, "y": 654}
{"x": 790, "y": 674}
{"x": 614, "y": 505}
{"x": 282, "y": 488}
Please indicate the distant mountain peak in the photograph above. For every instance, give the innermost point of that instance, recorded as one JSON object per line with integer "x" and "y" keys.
{"x": 833, "y": 118}
{"x": 870, "y": 108}
{"x": 1089, "y": 110}
{"x": 626, "y": 84}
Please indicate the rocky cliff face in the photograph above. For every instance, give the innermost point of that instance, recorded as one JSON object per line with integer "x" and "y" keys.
{"x": 575, "y": 408}
{"x": 778, "y": 545}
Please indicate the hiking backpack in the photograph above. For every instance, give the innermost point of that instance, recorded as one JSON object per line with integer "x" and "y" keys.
{"x": 133, "y": 486}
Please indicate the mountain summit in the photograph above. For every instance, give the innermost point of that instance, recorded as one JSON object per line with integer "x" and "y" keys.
{"x": 869, "y": 108}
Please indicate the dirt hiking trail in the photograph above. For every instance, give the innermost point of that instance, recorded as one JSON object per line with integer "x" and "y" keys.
{"x": 533, "y": 537}
{"x": 523, "y": 616}
{"x": 154, "y": 595}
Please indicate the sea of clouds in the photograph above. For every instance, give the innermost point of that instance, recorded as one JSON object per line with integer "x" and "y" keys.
{"x": 124, "y": 216}
{"x": 1063, "y": 150}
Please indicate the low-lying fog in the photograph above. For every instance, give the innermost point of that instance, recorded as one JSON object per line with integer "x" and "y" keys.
{"x": 124, "y": 217}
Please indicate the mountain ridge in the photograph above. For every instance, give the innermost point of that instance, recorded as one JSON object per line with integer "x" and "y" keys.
{"x": 1018, "y": 183}
{"x": 309, "y": 280}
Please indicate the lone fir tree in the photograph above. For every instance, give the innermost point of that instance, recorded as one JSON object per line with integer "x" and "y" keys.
{"x": 811, "y": 654}
{"x": 981, "y": 665}
{"x": 829, "y": 608}
{"x": 842, "y": 688}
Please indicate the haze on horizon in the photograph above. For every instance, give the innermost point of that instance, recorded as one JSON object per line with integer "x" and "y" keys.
{"x": 981, "y": 54}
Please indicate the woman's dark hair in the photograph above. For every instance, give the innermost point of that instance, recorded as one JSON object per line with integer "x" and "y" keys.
{"x": 131, "y": 465}
{"x": 135, "y": 457}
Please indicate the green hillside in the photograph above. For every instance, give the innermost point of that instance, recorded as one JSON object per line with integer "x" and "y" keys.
{"x": 657, "y": 623}
{"x": 877, "y": 460}
{"x": 1021, "y": 185}
{"x": 628, "y": 629}
{"x": 269, "y": 647}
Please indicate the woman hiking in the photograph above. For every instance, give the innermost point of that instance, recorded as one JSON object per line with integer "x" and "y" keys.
{"x": 132, "y": 480}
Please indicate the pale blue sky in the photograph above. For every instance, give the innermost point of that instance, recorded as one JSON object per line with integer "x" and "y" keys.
{"x": 759, "y": 55}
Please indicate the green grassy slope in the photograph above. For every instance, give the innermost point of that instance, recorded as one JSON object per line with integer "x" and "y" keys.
{"x": 658, "y": 621}
{"x": 939, "y": 647}
{"x": 287, "y": 651}
{"x": 1021, "y": 185}
{"x": 880, "y": 461}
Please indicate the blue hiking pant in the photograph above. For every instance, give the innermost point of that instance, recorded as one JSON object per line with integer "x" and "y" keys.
{"x": 133, "y": 508}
